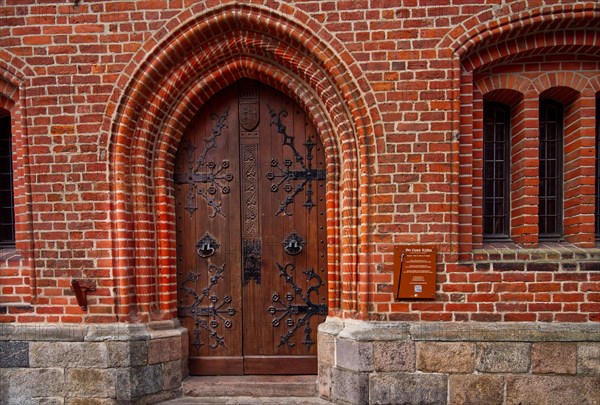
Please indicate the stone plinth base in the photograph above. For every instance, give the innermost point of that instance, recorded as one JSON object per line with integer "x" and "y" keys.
{"x": 459, "y": 363}
{"x": 92, "y": 364}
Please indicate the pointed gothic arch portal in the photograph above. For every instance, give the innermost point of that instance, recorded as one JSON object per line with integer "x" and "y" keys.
{"x": 165, "y": 86}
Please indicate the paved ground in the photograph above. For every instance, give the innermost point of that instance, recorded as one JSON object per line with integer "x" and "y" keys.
{"x": 247, "y": 401}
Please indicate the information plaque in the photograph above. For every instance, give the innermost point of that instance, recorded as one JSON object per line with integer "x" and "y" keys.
{"x": 414, "y": 272}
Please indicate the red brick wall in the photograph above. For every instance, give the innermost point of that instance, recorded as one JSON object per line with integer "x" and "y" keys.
{"x": 100, "y": 93}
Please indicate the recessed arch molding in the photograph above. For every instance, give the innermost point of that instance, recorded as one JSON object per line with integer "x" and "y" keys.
{"x": 170, "y": 78}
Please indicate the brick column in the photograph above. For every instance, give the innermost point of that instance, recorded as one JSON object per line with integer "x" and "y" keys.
{"x": 525, "y": 172}
{"x": 579, "y": 170}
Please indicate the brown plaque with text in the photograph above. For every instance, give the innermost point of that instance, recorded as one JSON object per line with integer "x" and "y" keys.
{"x": 414, "y": 271}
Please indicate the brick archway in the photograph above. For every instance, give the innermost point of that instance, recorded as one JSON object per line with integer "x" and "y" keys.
{"x": 198, "y": 58}
{"x": 15, "y": 79}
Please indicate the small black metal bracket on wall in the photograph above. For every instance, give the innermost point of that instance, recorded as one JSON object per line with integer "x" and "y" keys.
{"x": 80, "y": 288}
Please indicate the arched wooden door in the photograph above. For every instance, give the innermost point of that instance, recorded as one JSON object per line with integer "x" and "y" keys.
{"x": 251, "y": 238}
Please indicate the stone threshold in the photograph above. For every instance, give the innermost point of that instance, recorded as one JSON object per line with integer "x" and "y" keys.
{"x": 251, "y": 386}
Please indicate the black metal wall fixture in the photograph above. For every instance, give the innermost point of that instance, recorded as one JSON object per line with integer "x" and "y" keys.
{"x": 293, "y": 181}
{"x": 252, "y": 257}
{"x": 296, "y": 316}
{"x": 207, "y": 246}
{"x": 209, "y": 316}
{"x": 293, "y": 244}
{"x": 216, "y": 178}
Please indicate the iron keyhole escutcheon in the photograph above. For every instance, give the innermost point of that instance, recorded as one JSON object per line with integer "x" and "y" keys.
{"x": 207, "y": 246}
{"x": 293, "y": 244}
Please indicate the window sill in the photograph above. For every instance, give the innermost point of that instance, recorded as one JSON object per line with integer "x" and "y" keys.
{"x": 9, "y": 255}
{"x": 546, "y": 251}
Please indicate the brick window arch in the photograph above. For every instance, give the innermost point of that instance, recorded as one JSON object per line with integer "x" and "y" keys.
{"x": 496, "y": 171}
{"x": 7, "y": 206}
{"x": 550, "y": 213}
{"x": 550, "y": 194}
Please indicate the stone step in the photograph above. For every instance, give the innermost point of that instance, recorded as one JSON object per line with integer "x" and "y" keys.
{"x": 251, "y": 386}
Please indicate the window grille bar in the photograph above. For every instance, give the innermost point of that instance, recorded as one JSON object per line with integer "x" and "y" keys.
{"x": 550, "y": 170}
{"x": 7, "y": 208}
{"x": 496, "y": 171}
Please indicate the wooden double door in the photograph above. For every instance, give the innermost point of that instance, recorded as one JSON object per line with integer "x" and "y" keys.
{"x": 251, "y": 234}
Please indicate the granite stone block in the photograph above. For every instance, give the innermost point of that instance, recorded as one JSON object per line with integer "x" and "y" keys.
{"x": 588, "y": 358}
{"x": 172, "y": 377}
{"x": 93, "y": 383}
{"x": 14, "y": 354}
{"x": 354, "y": 355}
{"x": 68, "y": 354}
{"x": 554, "y": 358}
{"x": 552, "y": 390}
{"x": 89, "y": 401}
{"x": 503, "y": 357}
{"x": 126, "y": 354}
{"x": 394, "y": 355}
{"x": 135, "y": 382}
{"x": 408, "y": 388}
{"x": 324, "y": 380}
{"x": 326, "y": 349}
{"x": 445, "y": 357}
{"x": 37, "y": 401}
{"x": 480, "y": 389}
{"x": 163, "y": 350}
{"x": 185, "y": 345}
{"x": 517, "y": 332}
{"x": 349, "y": 386}
{"x": 20, "y": 385}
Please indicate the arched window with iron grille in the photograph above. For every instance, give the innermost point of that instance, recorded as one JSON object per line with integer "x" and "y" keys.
{"x": 550, "y": 213}
{"x": 7, "y": 210}
{"x": 496, "y": 171}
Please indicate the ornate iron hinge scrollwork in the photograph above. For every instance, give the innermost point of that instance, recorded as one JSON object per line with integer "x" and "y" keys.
{"x": 252, "y": 251}
{"x": 216, "y": 177}
{"x": 207, "y": 317}
{"x": 302, "y": 313}
{"x": 285, "y": 174}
